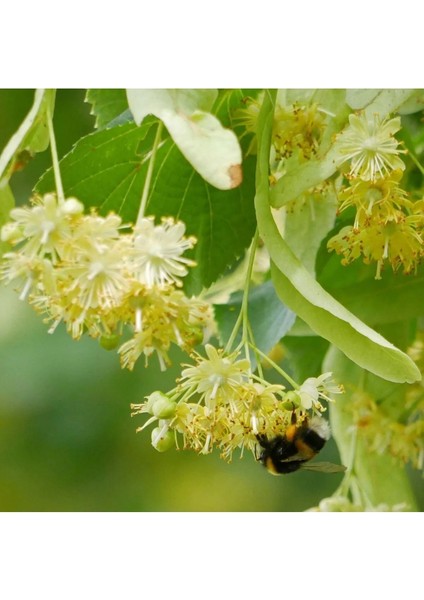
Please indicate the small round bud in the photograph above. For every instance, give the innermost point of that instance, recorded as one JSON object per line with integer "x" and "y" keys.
{"x": 161, "y": 406}
{"x": 337, "y": 504}
{"x": 72, "y": 206}
{"x": 162, "y": 439}
{"x": 195, "y": 336}
{"x": 109, "y": 342}
{"x": 291, "y": 400}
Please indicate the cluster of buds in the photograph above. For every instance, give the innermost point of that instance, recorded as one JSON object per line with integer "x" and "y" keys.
{"x": 297, "y": 128}
{"x": 388, "y": 225}
{"x": 83, "y": 270}
{"x": 218, "y": 402}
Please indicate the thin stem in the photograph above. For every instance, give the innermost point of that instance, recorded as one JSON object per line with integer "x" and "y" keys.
{"x": 55, "y": 160}
{"x": 146, "y": 188}
{"x": 244, "y": 304}
{"x": 287, "y": 377}
{"x": 257, "y": 358}
{"x": 243, "y": 316}
{"x": 349, "y": 477}
{"x": 416, "y": 161}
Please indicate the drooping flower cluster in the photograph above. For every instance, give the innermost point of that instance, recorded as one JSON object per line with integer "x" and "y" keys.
{"x": 297, "y": 127}
{"x": 219, "y": 403}
{"x": 388, "y": 225}
{"x": 342, "y": 504}
{"x": 84, "y": 271}
{"x": 403, "y": 437}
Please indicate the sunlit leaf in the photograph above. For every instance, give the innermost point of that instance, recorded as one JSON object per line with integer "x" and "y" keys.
{"x": 106, "y": 105}
{"x": 7, "y": 202}
{"x": 211, "y": 149}
{"x": 31, "y": 137}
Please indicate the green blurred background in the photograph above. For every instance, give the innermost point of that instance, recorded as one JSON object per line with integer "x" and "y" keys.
{"x": 67, "y": 440}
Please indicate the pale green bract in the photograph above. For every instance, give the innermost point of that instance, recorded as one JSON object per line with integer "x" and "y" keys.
{"x": 303, "y": 294}
{"x": 32, "y": 134}
{"x": 212, "y": 150}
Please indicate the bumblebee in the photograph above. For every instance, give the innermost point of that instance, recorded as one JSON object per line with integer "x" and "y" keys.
{"x": 300, "y": 443}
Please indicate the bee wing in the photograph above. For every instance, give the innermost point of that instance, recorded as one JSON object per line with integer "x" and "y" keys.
{"x": 324, "y": 467}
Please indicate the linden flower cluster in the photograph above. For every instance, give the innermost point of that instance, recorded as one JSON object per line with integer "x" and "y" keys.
{"x": 297, "y": 128}
{"x": 402, "y": 438}
{"x": 388, "y": 225}
{"x": 82, "y": 270}
{"x": 218, "y": 402}
{"x": 343, "y": 504}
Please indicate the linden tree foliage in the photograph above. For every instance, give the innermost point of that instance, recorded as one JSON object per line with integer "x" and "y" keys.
{"x": 31, "y": 137}
{"x": 107, "y": 105}
{"x": 107, "y": 170}
{"x": 270, "y": 319}
{"x": 255, "y": 230}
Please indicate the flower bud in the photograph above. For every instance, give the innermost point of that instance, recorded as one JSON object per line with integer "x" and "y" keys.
{"x": 162, "y": 439}
{"x": 109, "y": 342}
{"x": 162, "y": 407}
{"x": 72, "y": 206}
{"x": 291, "y": 400}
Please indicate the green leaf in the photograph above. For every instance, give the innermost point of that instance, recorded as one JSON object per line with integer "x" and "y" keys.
{"x": 7, "y": 202}
{"x": 305, "y": 355}
{"x": 107, "y": 105}
{"x": 269, "y": 318}
{"x": 211, "y": 149}
{"x": 107, "y": 170}
{"x": 394, "y": 297}
{"x": 382, "y": 480}
{"x": 32, "y": 135}
{"x": 222, "y": 221}
{"x": 302, "y": 294}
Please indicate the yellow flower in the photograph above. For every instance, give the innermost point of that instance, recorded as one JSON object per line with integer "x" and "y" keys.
{"x": 314, "y": 388}
{"x": 382, "y": 237}
{"x": 383, "y": 194}
{"x": 157, "y": 258}
{"x": 162, "y": 316}
{"x": 44, "y": 226}
{"x": 217, "y": 377}
{"x": 370, "y": 146}
{"x": 297, "y": 129}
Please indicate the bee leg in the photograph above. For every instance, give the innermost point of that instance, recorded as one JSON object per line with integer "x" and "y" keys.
{"x": 262, "y": 439}
{"x": 263, "y": 442}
